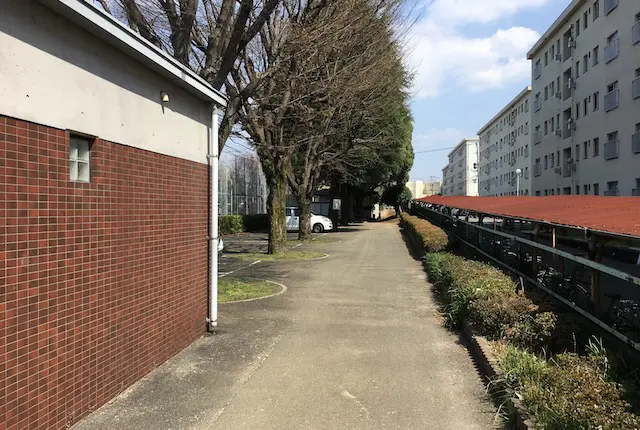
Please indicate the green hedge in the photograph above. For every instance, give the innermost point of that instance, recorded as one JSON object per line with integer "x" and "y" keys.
{"x": 231, "y": 224}
{"x": 433, "y": 238}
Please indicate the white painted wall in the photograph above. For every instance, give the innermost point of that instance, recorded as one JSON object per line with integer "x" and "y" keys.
{"x": 596, "y": 124}
{"x": 54, "y": 73}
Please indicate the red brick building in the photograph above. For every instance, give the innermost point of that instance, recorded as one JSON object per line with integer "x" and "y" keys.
{"x": 105, "y": 145}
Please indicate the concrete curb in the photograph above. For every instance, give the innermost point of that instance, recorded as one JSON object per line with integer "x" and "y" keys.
{"x": 482, "y": 354}
{"x": 283, "y": 289}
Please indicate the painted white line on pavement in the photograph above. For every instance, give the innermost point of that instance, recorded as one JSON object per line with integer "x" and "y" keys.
{"x": 222, "y": 275}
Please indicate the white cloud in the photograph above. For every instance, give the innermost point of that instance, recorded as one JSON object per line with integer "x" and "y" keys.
{"x": 443, "y": 57}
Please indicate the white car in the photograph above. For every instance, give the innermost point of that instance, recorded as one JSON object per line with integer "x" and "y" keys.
{"x": 319, "y": 223}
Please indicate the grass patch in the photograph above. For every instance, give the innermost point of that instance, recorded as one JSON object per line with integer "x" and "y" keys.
{"x": 283, "y": 256}
{"x": 232, "y": 289}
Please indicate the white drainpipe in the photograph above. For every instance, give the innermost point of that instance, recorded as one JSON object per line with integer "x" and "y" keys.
{"x": 212, "y": 319}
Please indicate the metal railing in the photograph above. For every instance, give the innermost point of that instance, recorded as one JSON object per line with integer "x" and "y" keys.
{"x": 635, "y": 33}
{"x": 604, "y": 295}
{"x": 611, "y": 100}
{"x": 537, "y": 104}
{"x": 635, "y": 192}
{"x": 635, "y": 88}
{"x": 612, "y": 50}
{"x": 611, "y": 150}
{"x": 537, "y": 137}
{"x": 635, "y": 143}
{"x": 567, "y": 131}
{"x": 612, "y": 193}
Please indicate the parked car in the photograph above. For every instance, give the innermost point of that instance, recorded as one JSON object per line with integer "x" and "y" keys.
{"x": 319, "y": 223}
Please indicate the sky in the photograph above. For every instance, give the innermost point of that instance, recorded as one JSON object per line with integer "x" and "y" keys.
{"x": 469, "y": 59}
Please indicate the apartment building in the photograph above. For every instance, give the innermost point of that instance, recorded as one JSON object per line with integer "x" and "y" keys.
{"x": 504, "y": 167}
{"x": 421, "y": 189}
{"x": 460, "y": 175}
{"x": 586, "y": 101}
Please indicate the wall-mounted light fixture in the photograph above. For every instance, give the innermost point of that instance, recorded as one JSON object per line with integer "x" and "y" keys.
{"x": 164, "y": 97}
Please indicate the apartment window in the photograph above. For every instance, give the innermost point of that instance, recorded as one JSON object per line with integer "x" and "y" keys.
{"x": 79, "y": 159}
{"x": 526, "y": 150}
{"x": 611, "y": 100}
{"x": 577, "y": 110}
{"x": 577, "y": 153}
{"x": 546, "y": 128}
{"x": 596, "y": 101}
{"x": 585, "y": 21}
{"x": 577, "y": 190}
{"x": 552, "y": 123}
{"x": 586, "y": 189}
{"x": 578, "y": 27}
{"x": 585, "y": 64}
{"x": 585, "y": 147}
{"x": 610, "y": 5}
{"x": 612, "y": 50}
{"x": 596, "y": 146}
{"x": 612, "y": 188}
{"x": 585, "y": 107}
{"x": 553, "y": 157}
{"x": 611, "y": 146}
{"x": 553, "y": 88}
{"x": 537, "y": 193}
{"x": 553, "y": 52}
{"x": 596, "y": 189}
{"x": 546, "y": 192}
{"x": 578, "y": 69}
{"x": 596, "y": 10}
{"x": 546, "y": 162}
{"x": 526, "y": 105}
{"x": 595, "y": 57}
{"x": 546, "y": 59}
{"x": 546, "y": 93}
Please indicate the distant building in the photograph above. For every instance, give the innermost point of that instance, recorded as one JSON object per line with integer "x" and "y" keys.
{"x": 586, "y": 101}
{"x": 460, "y": 175}
{"x": 421, "y": 189}
{"x": 505, "y": 147}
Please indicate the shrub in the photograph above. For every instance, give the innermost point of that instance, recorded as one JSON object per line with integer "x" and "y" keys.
{"x": 230, "y": 224}
{"x": 567, "y": 392}
{"x": 433, "y": 239}
{"x": 484, "y": 296}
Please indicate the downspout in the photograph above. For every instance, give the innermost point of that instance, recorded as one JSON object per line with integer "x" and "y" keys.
{"x": 212, "y": 156}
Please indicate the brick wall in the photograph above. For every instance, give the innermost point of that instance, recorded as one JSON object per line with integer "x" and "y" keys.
{"x": 99, "y": 282}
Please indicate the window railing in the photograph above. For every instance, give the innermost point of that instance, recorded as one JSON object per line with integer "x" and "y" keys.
{"x": 611, "y": 150}
{"x": 635, "y": 143}
{"x": 537, "y": 71}
{"x": 635, "y": 88}
{"x": 610, "y": 5}
{"x": 567, "y": 132}
{"x": 611, "y": 193}
{"x": 537, "y": 137}
{"x": 635, "y": 33}
{"x": 537, "y": 170}
{"x": 611, "y": 100}
{"x": 635, "y": 192}
{"x": 612, "y": 50}
{"x": 537, "y": 104}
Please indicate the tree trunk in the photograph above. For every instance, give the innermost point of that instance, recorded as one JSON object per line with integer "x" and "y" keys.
{"x": 304, "y": 231}
{"x": 276, "y": 204}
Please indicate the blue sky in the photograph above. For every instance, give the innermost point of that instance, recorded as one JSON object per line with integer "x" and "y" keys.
{"x": 469, "y": 60}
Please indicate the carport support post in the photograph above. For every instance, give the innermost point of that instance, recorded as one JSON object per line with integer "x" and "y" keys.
{"x": 212, "y": 318}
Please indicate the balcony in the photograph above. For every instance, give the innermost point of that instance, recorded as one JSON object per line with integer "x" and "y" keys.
{"x": 611, "y": 150}
{"x": 537, "y": 170}
{"x": 635, "y": 88}
{"x": 611, "y": 193}
{"x": 635, "y": 143}
{"x": 612, "y": 50}
{"x": 635, "y": 33}
{"x": 568, "y": 131}
{"x": 610, "y": 5}
{"x": 537, "y": 104}
{"x": 537, "y": 137}
{"x": 635, "y": 192}
{"x": 611, "y": 100}
{"x": 537, "y": 71}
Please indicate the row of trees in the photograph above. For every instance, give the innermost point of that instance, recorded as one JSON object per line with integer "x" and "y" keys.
{"x": 317, "y": 86}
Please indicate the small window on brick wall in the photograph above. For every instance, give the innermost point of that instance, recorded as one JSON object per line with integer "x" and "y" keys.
{"x": 79, "y": 159}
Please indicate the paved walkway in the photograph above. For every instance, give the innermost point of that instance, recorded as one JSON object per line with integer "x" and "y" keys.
{"x": 355, "y": 343}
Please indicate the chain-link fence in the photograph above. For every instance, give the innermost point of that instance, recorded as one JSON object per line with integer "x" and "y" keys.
{"x": 242, "y": 185}
{"x": 607, "y": 296}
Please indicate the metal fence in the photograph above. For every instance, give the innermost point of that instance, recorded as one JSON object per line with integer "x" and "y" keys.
{"x": 242, "y": 185}
{"x": 608, "y": 297}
